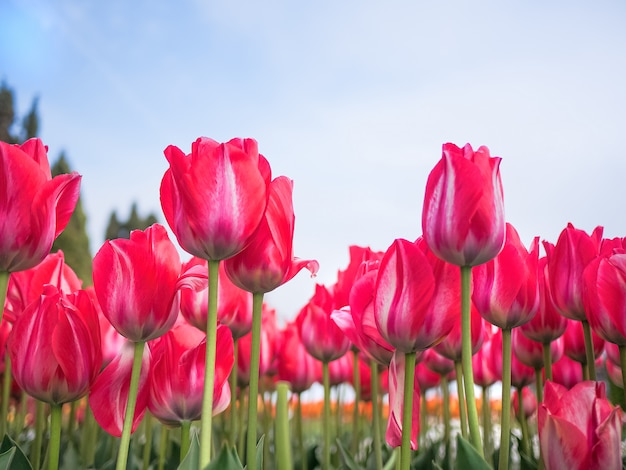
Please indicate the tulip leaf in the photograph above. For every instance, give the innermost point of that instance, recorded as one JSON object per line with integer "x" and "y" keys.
{"x": 348, "y": 460}
{"x": 227, "y": 459}
{"x": 468, "y": 457}
{"x": 11, "y": 456}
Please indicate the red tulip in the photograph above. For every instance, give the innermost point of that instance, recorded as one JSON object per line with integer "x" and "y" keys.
{"x": 215, "y": 197}
{"x": 55, "y": 346}
{"x": 416, "y": 298}
{"x": 34, "y": 207}
{"x": 340, "y": 371}
{"x": 573, "y": 251}
{"x": 614, "y": 372}
{"x": 359, "y": 256}
{"x": 320, "y": 336}
{"x": 426, "y": 377}
{"x": 437, "y": 363}
{"x": 358, "y": 322}
{"x": 506, "y": 292}
{"x": 295, "y": 365}
{"x": 612, "y": 353}
{"x": 137, "y": 283}
{"x": 28, "y": 285}
{"x": 530, "y": 352}
{"x": 463, "y": 214}
{"x": 267, "y": 262}
{"x": 574, "y": 342}
{"x": 567, "y": 372}
{"x": 579, "y": 429}
{"x": 177, "y": 373}
{"x": 604, "y": 295}
{"x": 547, "y": 324}
{"x": 450, "y": 347}
{"x": 529, "y": 402}
{"x": 486, "y": 372}
{"x": 109, "y": 394}
{"x": 234, "y": 308}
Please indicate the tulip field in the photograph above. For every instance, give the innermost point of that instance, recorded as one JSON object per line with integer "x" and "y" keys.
{"x": 461, "y": 348}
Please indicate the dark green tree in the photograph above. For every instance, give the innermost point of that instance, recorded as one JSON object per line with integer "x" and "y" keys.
{"x": 74, "y": 241}
{"x": 30, "y": 123}
{"x": 7, "y": 114}
{"x": 120, "y": 229}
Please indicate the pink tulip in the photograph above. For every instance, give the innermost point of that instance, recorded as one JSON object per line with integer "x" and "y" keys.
{"x": 340, "y": 370}
{"x": 579, "y": 429}
{"x": 215, "y": 197}
{"x": 55, "y": 346}
{"x": 34, "y": 207}
{"x": 267, "y": 262}
{"x": 604, "y": 296}
{"x": 450, "y": 347}
{"x": 320, "y": 336}
{"x": 177, "y": 373}
{"x": 567, "y": 372}
{"x": 463, "y": 214}
{"x": 295, "y": 365}
{"x": 416, "y": 297}
{"x": 359, "y": 256}
{"x": 437, "y": 363}
{"x": 506, "y": 292}
{"x": 573, "y": 251}
{"x": 574, "y": 342}
{"x": 397, "y": 400}
{"x": 137, "y": 283}
{"x": 529, "y": 402}
{"x": 547, "y": 324}
{"x": 530, "y": 352}
{"x": 268, "y": 350}
{"x": 109, "y": 394}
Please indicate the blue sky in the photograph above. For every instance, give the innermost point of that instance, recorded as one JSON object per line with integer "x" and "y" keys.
{"x": 351, "y": 99}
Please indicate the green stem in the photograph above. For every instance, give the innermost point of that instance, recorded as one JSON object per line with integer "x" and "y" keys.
{"x": 206, "y": 421}
{"x": 163, "y": 438}
{"x": 54, "y": 445}
{"x": 539, "y": 384}
{"x": 89, "y": 438}
{"x": 6, "y": 393}
{"x": 505, "y": 418}
{"x": 21, "y": 416}
{"x": 446, "y": 409}
{"x": 591, "y": 360}
{"x": 241, "y": 442}
{"x": 423, "y": 422}
{"x": 461, "y": 398}
{"x": 267, "y": 419}
{"x": 253, "y": 388}
{"x": 4, "y": 284}
{"x": 407, "y": 410}
{"x": 40, "y": 423}
{"x": 283, "y": 443}
{"x": 466, "y": 358}
{"x": 122, "y": 456}
{"x": 147, "y": 447}
{"x": 356, "y": 380}
{"x": 72, "y": 418}
{"x": 232, "y": 431}
{"x": 521, "y": 417}
{"x": 486, "y": 408}
{"x": 185, "y": 441}
{"x": 547, "y": 361}
{"x": 303, "y": 459}
{"x": 338, "y": 410}
{"x": 622, "y": 358}
{"x": 326, "y": 417}
{"x": 377, "y": 444}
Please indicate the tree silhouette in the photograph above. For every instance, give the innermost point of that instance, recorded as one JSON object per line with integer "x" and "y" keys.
{"x": 119, "y": 229}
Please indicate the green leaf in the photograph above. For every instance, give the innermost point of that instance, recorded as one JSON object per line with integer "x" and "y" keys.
{"x": 192, "y": 459}
{"x": 12, "y": 457}
{"x": 468, "y": 457}
{"x": 259, "y": 452}
{"x": 227, "y": 459}
{"x": 391, "y": 463}
{"x": 348, "y": 461}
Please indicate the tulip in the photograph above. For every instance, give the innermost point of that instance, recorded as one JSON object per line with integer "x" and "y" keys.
{"x": 55, "y": 346}
{"x": 530, "y": 352}
{"x": 360, "y": 256}
{"x": 402, "y": 394}
{"x": 575, "y": 347}
{"x": 524, "y": 411}
{"x": 463, "y": 214}
{"x": 567, "y": 260}
{"x": 567, "y": 372}
{"x": 579, "y": 428}
{"x": 34, "y": 207}
{"x": 177, "y": 377}
{"x": 295, "y": 365}
{"x": 268, "y": 350}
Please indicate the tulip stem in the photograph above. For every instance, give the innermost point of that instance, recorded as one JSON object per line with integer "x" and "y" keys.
{"x": 466, "y": 359}
{"x": 445, "y": 388}
{"x": 356, "y": 380}
{"x": 303, "y": 459}
{"x": 283, "y": 443}
{"x": 253, "y": 388}
{"x": 40, "y": 422}
{"x": 461, "y": 398}
{"x": 378, "y": 455}
{"x": 6, "y": 393}
{"x": 232, "y": 431}
{"x": 539, "y": 384}
{"x": 122, "y": 456}
{"x": 163, "y": 438}
{"x": 206, "y": 421}
{"x": 521, "y": 416}
{"x": 147, "y": 447}
{"x": 547, "y": 360}
{"x": 407, "y": 410}
{"x": 505, "y": 417}
{"x": 326, "y": 416}
{"x": 486, "y": 409}
{"x": 55, "y": 436}
{"x": 185, "y": 441}
{"x": 4, "y": 284}
{"x": 591, "y": 360}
